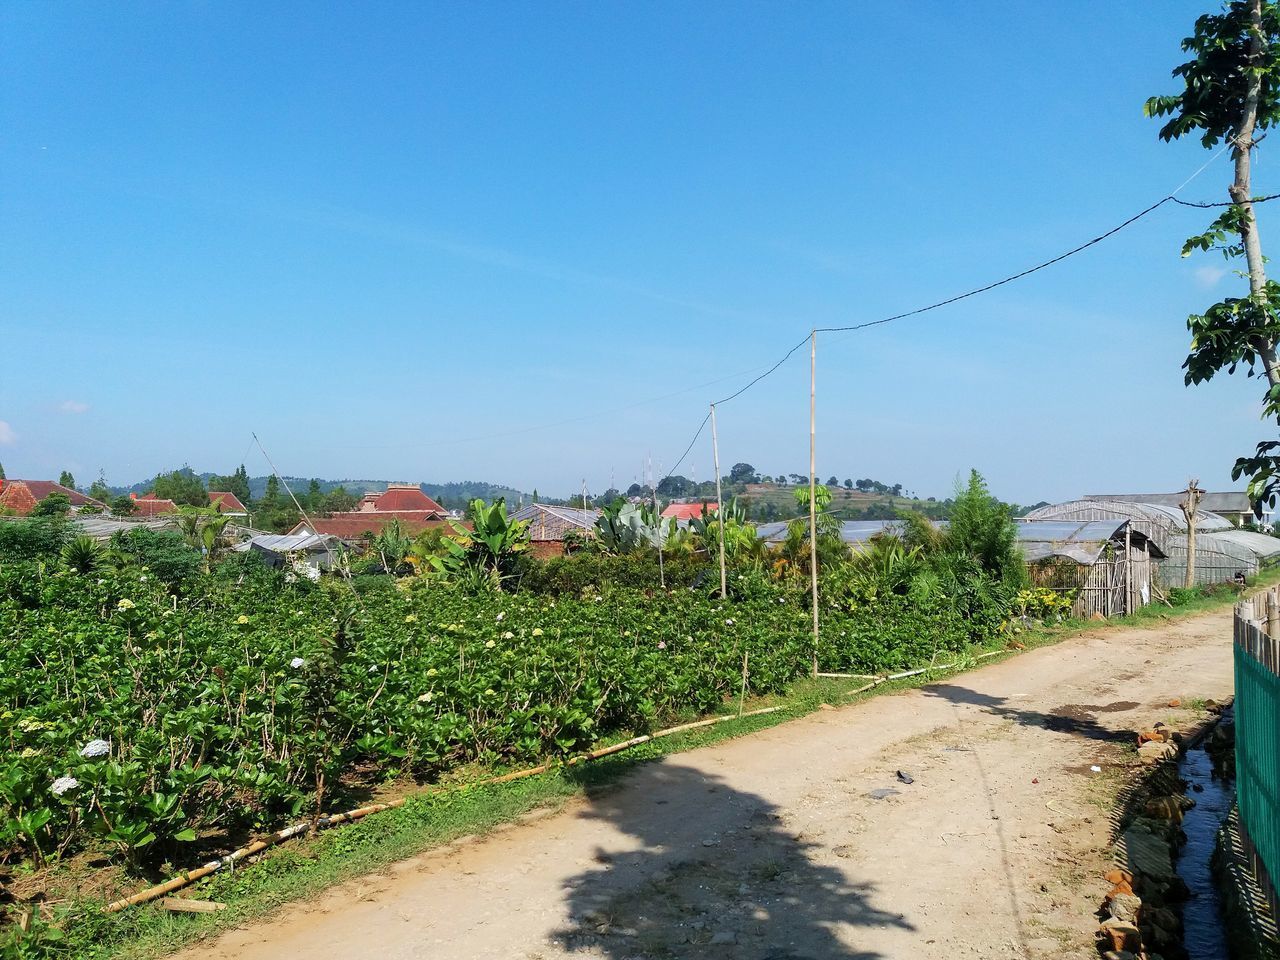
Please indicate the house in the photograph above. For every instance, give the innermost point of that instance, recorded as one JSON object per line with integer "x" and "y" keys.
{"x": 358, "y": 526}
{"x": 398, "y": 497}
{"x": 403, "y": 502}
{"x": 548, "y": 526}
{"x": 688, "y": 511}
{"x": 227, "y": 504}
{"x": 149, "y": 505}
{"x": 21, "y": 496}
{"x": 1232, "y": 505}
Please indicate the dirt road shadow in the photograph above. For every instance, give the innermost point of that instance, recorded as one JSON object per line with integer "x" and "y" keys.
{"x": 703, "y": 870}
{"x": 1077, "y": 719}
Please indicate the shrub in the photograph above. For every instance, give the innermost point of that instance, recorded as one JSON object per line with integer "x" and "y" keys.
{"x": 589, "y": 570}
{"x": 36, "y": 538}
{"x": 163, "y": 552}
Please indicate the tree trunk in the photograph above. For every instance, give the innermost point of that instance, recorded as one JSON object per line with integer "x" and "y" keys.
{"x": 1242, "y": 193}
{"x": 1190, "y": 507}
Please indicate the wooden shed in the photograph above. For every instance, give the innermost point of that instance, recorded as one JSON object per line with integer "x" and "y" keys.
{"x": 1221, "y": 553}
{"x": 1112, "y": 567}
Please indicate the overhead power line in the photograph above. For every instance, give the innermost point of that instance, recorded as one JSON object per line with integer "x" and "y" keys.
{"x": 1171, "y": 198}
{"x": 1009, "y": 279}
{"x": 1226, "y": 203}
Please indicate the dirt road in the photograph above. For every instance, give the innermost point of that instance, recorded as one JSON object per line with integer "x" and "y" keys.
{"x": 800, "y": 841}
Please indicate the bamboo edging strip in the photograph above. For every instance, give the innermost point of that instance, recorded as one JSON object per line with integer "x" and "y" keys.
{"x": 877, "y": 680}
{"x": 271, "y": 839}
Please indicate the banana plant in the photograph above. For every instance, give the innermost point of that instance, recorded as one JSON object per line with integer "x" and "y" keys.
{"x": 202, "y": 528}
{"x": 490, "y": 546}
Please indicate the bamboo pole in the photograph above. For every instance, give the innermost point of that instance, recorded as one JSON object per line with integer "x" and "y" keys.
{"x": 715, "y": 455}
{"x": 1128, "y": 569}
{"x": 852, "y": 676}
{"x": 257, "y": 846}
{"x": 813, "y": 488}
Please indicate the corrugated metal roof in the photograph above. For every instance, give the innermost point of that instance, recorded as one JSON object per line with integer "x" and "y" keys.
{"x": 1259, "y": 544}
{"x": 102, "y": 527}
{"x": 1080, "y": 540}
{"x": 289, "y": 543}
{"x": 851, "y": 531}
{"x": 574, "y": 515}
{"x": 1069, "y": 531}
{"x": 1167, "y": 517}
{"x": 1230, "y": 502}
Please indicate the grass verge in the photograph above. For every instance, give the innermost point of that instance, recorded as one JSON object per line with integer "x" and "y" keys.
{"x": 303, "y": 868}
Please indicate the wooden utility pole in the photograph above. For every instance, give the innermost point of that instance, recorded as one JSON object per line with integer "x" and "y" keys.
{"x": 813, "y": 488}
{"x": 1190, "y": 507}
{"x": 715, "y": 456}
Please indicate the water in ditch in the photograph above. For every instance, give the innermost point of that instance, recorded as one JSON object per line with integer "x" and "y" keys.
{"x": 1204, "y": 931}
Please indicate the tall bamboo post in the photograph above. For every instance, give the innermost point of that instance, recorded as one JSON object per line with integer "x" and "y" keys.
{"x": 1128, "y": 569}
{"x": 715, "y": 456}
{"x": 813, "y": 488}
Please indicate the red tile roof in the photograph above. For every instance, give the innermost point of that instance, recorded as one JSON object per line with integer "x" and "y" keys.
{"x": 403, "y": 496}
{"x": 688, "y": 511}
{"x": 226, "y": 502}
{"x": 21, "y": 496}
{"x": 356, "y": 525}
{"x": 149, "y": 505}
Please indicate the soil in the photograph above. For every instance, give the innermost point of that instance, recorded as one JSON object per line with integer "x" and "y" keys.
{"x": 802, "y": 841}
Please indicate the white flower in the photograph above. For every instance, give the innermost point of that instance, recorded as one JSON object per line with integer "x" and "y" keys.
{"x": 101, "y": 581}
{"x": 501, "y": 615}
{"x": 728, "y": 623}
{"x": 143, "y": 578}
{"x": 508, "y": 635}
{"x": 63, "y": 784}
{"x": 537, "y": 631}
{"x": 489, "y": 644}
{"x": 426, "y": 697}
{"x": 297, "y": 663}
{"x": 95, "y": 748}
{"x": 125, "y": 604}
{"x": 662, "y": 644}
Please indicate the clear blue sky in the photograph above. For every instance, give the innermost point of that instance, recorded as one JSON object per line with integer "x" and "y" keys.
{"x": 398, "y": 240}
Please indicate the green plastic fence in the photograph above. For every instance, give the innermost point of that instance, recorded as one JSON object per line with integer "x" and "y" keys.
{"x": 1258, "y": 756}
